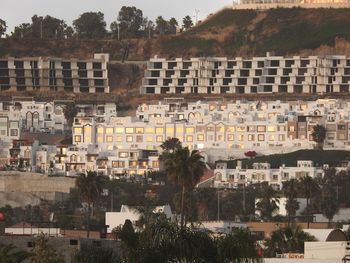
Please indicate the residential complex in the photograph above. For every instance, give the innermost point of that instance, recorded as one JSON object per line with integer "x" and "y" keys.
{"x": 263, "y": 75}
{"x": 55, "y": 74}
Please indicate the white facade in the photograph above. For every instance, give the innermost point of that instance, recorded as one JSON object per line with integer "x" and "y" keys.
{"x": 281, "y": 206}
{"x": 270, "y": 74}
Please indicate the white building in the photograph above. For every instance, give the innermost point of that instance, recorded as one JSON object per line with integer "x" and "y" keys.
{"x": 270, "y": 74}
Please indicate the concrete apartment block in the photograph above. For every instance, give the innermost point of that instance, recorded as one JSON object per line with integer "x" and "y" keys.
{"x": 262, "y": 75}
{"x": 55, "y": 74}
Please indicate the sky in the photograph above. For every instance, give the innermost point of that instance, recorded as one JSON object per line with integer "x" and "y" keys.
{"x": 15, "y": 12}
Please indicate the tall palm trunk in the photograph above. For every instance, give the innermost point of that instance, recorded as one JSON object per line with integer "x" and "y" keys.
{"x": 182, "y": 204}
{"x": 307, "y": 213}
{"x": 88, "y": 221}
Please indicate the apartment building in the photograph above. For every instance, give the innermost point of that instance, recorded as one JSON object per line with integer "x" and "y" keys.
{"x": 55, "y": 74}
{"x": 257, "y": 75}
{"x": 221, "y": 129}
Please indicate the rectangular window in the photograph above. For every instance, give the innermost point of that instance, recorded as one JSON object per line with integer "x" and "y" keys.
{"x": 281, "y": 137}
{"x": 230, "y": 137}
{"x": 129, "y": 130}
{"x": 200, "y": 137}
{"x": 119, "y": 138}
{"x": 119, "y": 130}
{"x": 250, "y": 137}
{"x": 230, "y": 128}
{"x": 109, "y": 130}
{"x": 139, "y": 130}
{"x": 270, "y": 128}
{"x": 109, "y": 138}
{"x": 14, "y": 132}
{"x": 77, "y": 138}
{"x": 149, "y": 139}
{"x": 271, "y": 137}
{"x": 240, "y": 137}
{"x": 261, "y": 128}
{"x": 129, "y": 138}
{"x": 123, "y": 154}
{"x": 190, "y": 130}
{"x": 100, "y": 139}
{"x": 150, "y": 130}
{"x": 78, "y": 130}
{"x": 170, "y": 130}
{"x": 139, "y": 138}
{"x": 159, "y": 138}
{"x": 100, "y": 130}
{"x": 179, "y": 129}
{"x": 261, "y": 137}
{"x": 189, "y": 138}
{"x": 160, "y": 130}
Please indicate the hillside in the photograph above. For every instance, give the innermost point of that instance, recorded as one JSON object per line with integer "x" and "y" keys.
{"x": 227, "y": 33}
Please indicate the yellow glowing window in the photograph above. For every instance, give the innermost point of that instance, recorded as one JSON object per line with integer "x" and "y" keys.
{"x": 230, "y": 128}
{"x": 160, "y": 130}
{"x": 77, "y": 138}
{"x": 129, "y": 130}
{"x": 129, "y": 138}
{"x": 119, "y": 130}
{"x": 230, "y": 137}
{"x": 270, "y": 128}
{"x": 150, "y": 130}
{"x": 179, "y": 129}
{"x": 240, "y": 128}
{"x": 220, "y": 128}
{"x": 109, "y": 138}
{"x": 78, "y": 130}
{"x": 139, "y": 130}
{"x": 180, "y": 138}
{"x": 221, "y": 138}
{"x": 100, "y": 139}
{"x": 149, "y": 139}
{"x": 240, "y": 137}
{"x": 119, "y": 138}
{"x": 109, "y": 130}
{"x": 261, "y": 128}
{"x": 189, "y": 138}
{"x": 189, "y": 130}
{"x": 100, "y": 130}
{"x": 200, "y": 137}
{"x": 159, "y": 138}
{"x": 170, "y": 130}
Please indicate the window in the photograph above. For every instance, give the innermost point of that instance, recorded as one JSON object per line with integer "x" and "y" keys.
{"x": 271, "y": 137}
{"x": 230, "y": 128}
{"x": 109, "y": 138}
{"x": 139, "y": 138}
{"x": 250, "y": 128}
{"x": 129, "y": 130}
{"x": 87, "y": 134}
{"x": 119, "y": 130}
{"x": 189, "y": 138}
{"x": 281, "y": 137}
{"x": 261, "y": 137}
{"x": 160, "y": 130}
{"x": 159, "y": 138}
{"x": 129, "y": 138}
{"x": 189, "y": 130}
{"x": 179, "y": 129}
{"x": 155, "y": 164}
{"x": 180, "y": 138}
{"x": 14, "y": 132}
{"x": 150, "y": 130}
{"x": 261, "y": 128}
{"x": 170, "y": 130}
{"x": 221, "y": 138}
{"x": 200, "y": 137}
{"x": 109, "y": 130}
{"x": 100, "y": 139}
{"x": 78, "y": 130}
{"x": 149, "y": 139}
{"x": 119, "y": 138}
{"x": 230, "y": 137}
{"x": 77, "y": 138}
{"x": 250, "y": 137}
{"x": 270, "y": 128}
{"x": 123, "y": 154}
{"x": 139, "y": 130}
{"x": 240, "y": 137}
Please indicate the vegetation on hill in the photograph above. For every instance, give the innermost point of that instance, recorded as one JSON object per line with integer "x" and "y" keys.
{"x": 319, "y": 157}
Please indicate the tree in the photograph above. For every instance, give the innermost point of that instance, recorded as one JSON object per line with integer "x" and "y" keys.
{"x": 22, "y": 31}
{"x": 185, "y": 169}
{"x": 90, "y": 25}
{"x": 70, "y": 111}
{"x": 10, "y": 254}
{"x": 129, "y": 241}
{"x": 161, "y": 25}
{"x": 290, "y": 192}
{"x": 268, "y": 202}
{"x": 319, "y": 134}
{"x": 47, "y": 27}
{"x": 3, "y": 27}
{"x": 308, "y": 187}
{"x": 130, "y": 21}
{"x": 90, "y": 188}
{"x": 173, "y": 24}
{"x": 94, "y": 254}
{"x": 288, "y": 239}
{"x": 170, "y": 145}
{"x": 43, "y": 252}
{"x": 187, "y": 23}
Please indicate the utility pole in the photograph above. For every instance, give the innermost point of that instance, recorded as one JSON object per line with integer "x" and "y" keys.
{"x": 41, "y": 29}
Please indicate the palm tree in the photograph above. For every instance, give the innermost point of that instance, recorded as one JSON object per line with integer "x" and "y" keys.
{"x": 308, "y": 186}
{"x": 289, "y": 239}
{"x": 10, "y": 254}
{"x": 171, "y": 145}
{"x": 290, "y": 191}
{"x": 268, "y": 202}
{"x": 319, "y": 135}
{"x": 90, "y": 188}
{"x": 185, "y": 169}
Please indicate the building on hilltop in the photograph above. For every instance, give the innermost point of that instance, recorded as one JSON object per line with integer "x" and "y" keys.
{"x": 257, "y": 75}
{"x": 55, "y": 74}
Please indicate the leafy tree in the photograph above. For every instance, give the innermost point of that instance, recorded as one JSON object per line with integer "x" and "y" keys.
{"x": 90, "y": 25}
{"x": 130, "y": 21}
{"x": 48, "y": 27}
{"x": 10, "y": 254}
{"x": 187, "y": 23}
{"x": 93, "y": 254}
{"x": 238, "y": 246}
{"x": 161, "y": 25}
{"x": 319, "y": 135}
{"x": 185, "y": 169}
{"x": 173, "y": 24}
{"x": 3, "y": 27}
{"x": 68, "y": 32}
{"x": 290, "y": 192}
{"x": 308, "y": 187}
{"x": 268, "y": 202}
{"x": 22, "y": 31}
{"x": 70, "y": 112}
{"x": 43, "y": 252}
{"x": 289, "y": 239}
{"x": 129, "y": 241}
{"x": 90, "y": 188}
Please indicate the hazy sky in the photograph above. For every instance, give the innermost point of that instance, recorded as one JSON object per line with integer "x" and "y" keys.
{"x": 15, "y": 12}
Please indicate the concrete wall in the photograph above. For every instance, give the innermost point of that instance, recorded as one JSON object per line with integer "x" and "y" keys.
{"x": 326, "y": 250}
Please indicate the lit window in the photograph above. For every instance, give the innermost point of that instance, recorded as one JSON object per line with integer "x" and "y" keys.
{"x": 240, "y": 128}
{"x": 261, "y": 137}
{"x": 240, "y": 137}
{"x": 160, "y": 130}
{"x": 149, "y": 139}
{"x": 200, "y": 137}
{"x": 281, "y": 137}
{"x": 220, "y": 128}
{"x": 271, "y": 137}
{"x": 230, "y": 137}
{"x": 109, "y": 130}
{"x": 189, "y": 138}
{"x": 139, "y": 130}
{"x": 129, "y": 138}
{"x": 221, "y": 138}
{"x": 180, "y": 138}
{"x": 129, "y": 130}
{"x": 179, "y": 129}
{"x": 169, "y": 130}
{"x": 230, "y": 128}
{"x": 100, "y": 139}
{"x": 100, "y": 130}
{"x": 119, "y": 130}
{"x": 250, "y": 137}
{"x": 77, "y": 138}
{"x": 119, "y": 138}
{"x": 159, "y": 138}
{"x": 270, "y": 128}
{"x": 78, "y": 130}
{"x": 189, "y": 130}
{"x": 109, "y": 138}
{"x": 150, "y": 130}
{"x": 261, "y": 128}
